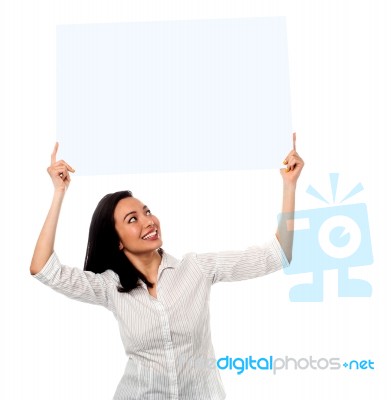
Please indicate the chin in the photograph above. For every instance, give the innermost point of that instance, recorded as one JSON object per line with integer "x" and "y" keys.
{"x": 157, "y": 244}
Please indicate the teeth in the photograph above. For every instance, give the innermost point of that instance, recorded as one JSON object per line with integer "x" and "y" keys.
{"x": 150, "y": 235}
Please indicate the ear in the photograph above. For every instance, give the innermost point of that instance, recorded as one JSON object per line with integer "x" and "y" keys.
{"x": 121, "y": 246}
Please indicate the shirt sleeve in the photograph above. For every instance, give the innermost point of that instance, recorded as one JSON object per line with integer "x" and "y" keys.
{"x": 255, "y": 261}
{"x": 85, "y": 286}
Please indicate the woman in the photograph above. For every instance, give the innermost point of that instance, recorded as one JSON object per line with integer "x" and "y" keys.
{"x": 161, "y": 303}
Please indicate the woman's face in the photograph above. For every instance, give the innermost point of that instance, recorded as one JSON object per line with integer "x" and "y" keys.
{"x": 138, "y": 229}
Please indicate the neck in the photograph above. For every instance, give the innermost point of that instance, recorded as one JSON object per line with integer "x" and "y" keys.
{"x": 146, "y": 263}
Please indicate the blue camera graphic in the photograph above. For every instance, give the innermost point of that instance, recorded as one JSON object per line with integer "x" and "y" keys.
{"x": 335, "y": 237}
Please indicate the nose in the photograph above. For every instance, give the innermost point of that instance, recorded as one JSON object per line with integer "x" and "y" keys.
{"x": 150, "y": 223}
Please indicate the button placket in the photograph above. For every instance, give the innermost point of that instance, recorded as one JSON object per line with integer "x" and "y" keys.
{"x": 169, "y": 349}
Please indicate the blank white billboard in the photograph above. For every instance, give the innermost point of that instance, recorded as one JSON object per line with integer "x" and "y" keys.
{"x": 171, "y": 96}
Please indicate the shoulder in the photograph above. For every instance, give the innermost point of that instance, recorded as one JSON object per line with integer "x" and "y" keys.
{"x": 185, "y": 262}
{"x": 109, "y": 276}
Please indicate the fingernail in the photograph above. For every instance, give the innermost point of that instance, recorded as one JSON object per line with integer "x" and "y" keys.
{"x": 285, "y": 162}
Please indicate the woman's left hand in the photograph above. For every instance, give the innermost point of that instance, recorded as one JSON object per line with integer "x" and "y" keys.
{"x": 294, "y": 164}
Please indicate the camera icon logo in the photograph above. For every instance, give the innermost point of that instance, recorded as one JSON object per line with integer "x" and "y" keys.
{"x": 334, "y": 237}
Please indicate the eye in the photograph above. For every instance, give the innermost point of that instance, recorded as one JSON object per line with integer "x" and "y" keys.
{"x": 148, "y": 212}
{"x": 132, "y": 219}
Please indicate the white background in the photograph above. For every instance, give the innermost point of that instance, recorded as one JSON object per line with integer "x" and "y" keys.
{"x": 55, "y": 348}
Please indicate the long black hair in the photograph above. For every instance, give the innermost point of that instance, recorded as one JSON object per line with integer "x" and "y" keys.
{"x": 103, "y": 251}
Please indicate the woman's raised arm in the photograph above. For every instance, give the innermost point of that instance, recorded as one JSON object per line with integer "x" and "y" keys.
{"x": 290, "y": 175}
{"x": 59, "y": 173}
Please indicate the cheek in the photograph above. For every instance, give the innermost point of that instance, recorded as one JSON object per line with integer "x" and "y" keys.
{"x": 128, "y": 233}
{"x": 133, "y": 231}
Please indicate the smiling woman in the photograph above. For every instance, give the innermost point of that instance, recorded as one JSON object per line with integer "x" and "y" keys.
{"x": 161, "y": 303}
{"x": 120, "y": 239}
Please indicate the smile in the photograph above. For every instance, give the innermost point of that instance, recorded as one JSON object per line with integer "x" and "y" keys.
{"x": 151, "y": 236}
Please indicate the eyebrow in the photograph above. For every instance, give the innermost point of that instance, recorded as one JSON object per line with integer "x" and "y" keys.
{"x": 133, "y": 212}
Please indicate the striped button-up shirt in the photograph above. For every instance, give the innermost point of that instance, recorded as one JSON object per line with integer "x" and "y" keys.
{"x": 166, "y": 337}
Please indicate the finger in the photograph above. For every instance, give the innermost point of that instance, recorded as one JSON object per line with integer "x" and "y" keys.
{"x": 291, "y": 154}
{"x": 294, "y": 141}
{"x": 54, "y": 153}
{"x": 69, "y": 167}
{"x": 291, "y": 163}
{"x": 289, "y": 157}
{"x": 63, "y": 164}
{"x": 65, "y": 176}
{"x": 66, "y": 165}
{"x": 60, "y": 171}
{"x": 296, "y": 163}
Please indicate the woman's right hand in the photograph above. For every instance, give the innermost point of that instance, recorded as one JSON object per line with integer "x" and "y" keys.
{"x": 59, "y": 172}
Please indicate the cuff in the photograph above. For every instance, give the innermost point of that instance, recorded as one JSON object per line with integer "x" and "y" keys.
{"x": 49, "y": 270}
{"x": 279, "y": 252}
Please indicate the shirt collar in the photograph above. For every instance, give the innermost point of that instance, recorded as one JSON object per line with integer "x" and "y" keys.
{"x": 167, "y": 261}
